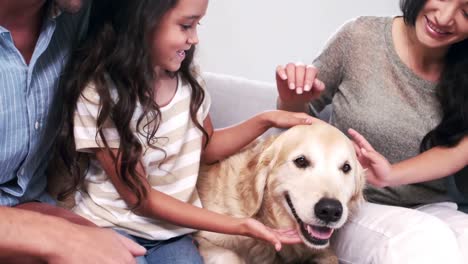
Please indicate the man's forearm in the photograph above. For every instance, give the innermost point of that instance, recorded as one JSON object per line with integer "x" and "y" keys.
{"x": 24, "y": 233}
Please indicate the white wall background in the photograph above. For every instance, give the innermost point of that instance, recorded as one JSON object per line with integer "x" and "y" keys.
{"x": 249, "y": 38}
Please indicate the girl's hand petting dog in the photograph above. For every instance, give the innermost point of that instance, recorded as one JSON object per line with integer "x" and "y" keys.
{"x": 255, "y": 229}
{"x": 285, "y": 119}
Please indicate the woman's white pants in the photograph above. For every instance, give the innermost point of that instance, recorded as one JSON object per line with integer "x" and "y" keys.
{"x": 379, "y": 234}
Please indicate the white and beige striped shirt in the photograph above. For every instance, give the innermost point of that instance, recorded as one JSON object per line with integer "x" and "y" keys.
{"x": 174, "y": 172}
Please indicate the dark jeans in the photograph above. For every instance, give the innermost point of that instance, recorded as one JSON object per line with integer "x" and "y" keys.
{"x": 177, "y": 250}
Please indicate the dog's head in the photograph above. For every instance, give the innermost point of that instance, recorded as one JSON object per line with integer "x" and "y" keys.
{"x": 312, "y": 173}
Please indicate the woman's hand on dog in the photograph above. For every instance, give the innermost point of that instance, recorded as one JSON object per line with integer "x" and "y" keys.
{"x": 299, "y": 79}
{"x": 378, "y": 169}
{"x": 276, "y": 237}
{"x": 297, "y": 85}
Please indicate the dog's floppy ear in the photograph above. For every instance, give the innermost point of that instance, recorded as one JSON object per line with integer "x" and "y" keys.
{"x": 258, "y": 169}
{"x": 358, "y": 195}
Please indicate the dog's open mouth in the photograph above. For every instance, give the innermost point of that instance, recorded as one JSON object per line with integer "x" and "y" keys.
{"x": 316, "y": 235}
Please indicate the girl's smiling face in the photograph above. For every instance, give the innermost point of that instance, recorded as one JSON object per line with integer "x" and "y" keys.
{"x": 177, "y": 33}
{"x": 441, "y": 23}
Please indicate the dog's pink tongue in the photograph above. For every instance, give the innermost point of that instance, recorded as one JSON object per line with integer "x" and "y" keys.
{"x": 320, "y": 232}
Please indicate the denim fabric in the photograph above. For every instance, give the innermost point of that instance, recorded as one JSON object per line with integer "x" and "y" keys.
{"x": 177, "y": 250}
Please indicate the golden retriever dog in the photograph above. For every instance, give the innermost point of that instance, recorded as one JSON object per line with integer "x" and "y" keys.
{"x": 307, "y": 178}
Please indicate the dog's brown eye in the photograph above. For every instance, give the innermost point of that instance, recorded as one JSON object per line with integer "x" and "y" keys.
{"x": 346, "y": 168}
{"x": 301, "y": 162}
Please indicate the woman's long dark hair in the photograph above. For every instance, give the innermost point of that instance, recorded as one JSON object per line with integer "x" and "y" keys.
{"x": 452, "y": 89}
{"x": 118, "y": 46}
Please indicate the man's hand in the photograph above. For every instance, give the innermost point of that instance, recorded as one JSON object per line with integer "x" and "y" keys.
{"x": 94, "y": 245}
{"x": 38, "y": 232}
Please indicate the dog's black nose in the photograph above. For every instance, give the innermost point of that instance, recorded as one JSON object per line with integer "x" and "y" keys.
{"x": 328, "y": 210}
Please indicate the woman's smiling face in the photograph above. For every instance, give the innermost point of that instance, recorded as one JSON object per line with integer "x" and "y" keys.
{"x": 441, "y": 23}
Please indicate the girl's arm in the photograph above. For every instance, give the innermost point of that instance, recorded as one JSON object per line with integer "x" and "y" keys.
{"x": 161, "y": 206}
{"x": 227, "y": 141}
{"x": 435, "y": 163}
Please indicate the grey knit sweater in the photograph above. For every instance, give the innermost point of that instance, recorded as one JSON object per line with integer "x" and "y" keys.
{"x": 372, "y": 91}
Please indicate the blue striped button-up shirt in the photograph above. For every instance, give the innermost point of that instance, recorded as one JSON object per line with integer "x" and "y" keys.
{"x": 29, "y": 107}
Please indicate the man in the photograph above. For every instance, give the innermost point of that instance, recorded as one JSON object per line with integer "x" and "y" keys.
{"x": 36, "y": 37}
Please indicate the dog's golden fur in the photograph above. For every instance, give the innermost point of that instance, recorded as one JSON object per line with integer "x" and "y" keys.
{"x": 255, "y": 183}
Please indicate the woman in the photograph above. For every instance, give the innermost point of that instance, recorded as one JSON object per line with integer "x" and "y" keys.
{"x": 402, "y": 82}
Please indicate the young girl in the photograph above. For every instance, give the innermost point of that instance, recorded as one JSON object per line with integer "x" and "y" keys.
{"x": 402, "y": 82}
{"x": 135, "y": 106}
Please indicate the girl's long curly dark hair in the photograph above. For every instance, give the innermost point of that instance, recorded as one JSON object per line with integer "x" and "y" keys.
{"x": 118, "y": 45}
{"x": 452, "y": 89}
